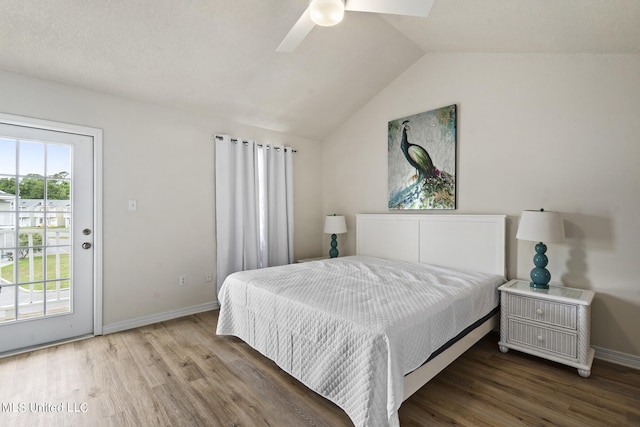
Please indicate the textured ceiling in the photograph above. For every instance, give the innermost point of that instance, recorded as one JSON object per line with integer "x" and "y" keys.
{"x": 218, "y": 57}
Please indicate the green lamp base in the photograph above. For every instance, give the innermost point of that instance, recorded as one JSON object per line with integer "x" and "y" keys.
{"x": 333, "y": 252}
{"x": 540, "y": 276}
{"x": 538, "y": 286}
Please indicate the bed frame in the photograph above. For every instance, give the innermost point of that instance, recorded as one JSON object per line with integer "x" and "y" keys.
{"x": 472, "y": 242}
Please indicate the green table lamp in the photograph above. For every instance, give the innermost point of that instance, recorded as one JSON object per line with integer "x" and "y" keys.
{"x": 334, "y": 224}
{"x": 540, "y": 226}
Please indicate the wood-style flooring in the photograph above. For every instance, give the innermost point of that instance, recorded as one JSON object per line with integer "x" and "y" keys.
{"x": 179, "y": 373}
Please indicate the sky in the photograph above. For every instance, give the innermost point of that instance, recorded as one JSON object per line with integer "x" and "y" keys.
{"x": 33, "y": 157}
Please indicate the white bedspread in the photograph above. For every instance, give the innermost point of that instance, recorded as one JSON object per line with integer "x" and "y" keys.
{"x": 350, "y": 328}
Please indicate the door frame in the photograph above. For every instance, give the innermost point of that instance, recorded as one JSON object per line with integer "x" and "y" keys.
{"x": 96, "y": 134}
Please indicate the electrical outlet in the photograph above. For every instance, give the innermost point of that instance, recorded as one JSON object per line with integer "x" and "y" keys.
{"x": 208, "y": 277}
{"x": 182, "y": 280}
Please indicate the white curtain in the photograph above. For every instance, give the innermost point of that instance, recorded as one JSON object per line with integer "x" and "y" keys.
{"x": 254, "y": 205}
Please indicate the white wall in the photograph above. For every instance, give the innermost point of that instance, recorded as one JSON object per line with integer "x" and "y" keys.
{"x": 560, "y": 132}
{"x": 164, "y": 158}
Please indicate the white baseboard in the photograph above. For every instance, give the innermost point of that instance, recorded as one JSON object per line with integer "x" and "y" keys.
{"x": 617, "y": 357}
{"x": 160, "y": 317}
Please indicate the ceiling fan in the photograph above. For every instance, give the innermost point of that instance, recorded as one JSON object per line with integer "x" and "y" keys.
{"x": 330, "y": 12}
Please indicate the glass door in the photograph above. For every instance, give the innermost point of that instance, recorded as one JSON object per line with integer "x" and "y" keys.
{"x": 46, "y": 227}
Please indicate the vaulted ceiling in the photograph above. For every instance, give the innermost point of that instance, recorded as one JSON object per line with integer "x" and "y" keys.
{"x": 218, "y": 57}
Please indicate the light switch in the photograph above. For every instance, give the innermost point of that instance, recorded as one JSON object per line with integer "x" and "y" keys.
{"x": 133, "y": 205}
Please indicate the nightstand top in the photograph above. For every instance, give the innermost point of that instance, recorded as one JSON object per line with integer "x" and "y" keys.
{"x": 312, "y": 259}
{"x": 557, "y": 293}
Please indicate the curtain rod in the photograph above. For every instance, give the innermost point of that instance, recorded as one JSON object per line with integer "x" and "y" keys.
{"x": 235, "y": 141}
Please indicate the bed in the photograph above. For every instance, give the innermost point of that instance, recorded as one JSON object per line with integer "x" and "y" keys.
{"x": 366, "y": 331}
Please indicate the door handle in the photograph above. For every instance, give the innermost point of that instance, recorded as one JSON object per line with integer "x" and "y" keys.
{"x": 86, "y": 245}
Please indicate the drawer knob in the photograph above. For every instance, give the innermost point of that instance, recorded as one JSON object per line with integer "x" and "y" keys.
{"x": 540, "y": 311}
{"x": 540, "y": 338}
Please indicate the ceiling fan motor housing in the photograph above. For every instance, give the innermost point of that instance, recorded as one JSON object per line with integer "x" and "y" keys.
{"x": 326, "y": 12}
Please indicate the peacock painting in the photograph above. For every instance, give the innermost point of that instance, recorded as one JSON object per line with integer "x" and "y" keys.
{"x": 422, "y": 160}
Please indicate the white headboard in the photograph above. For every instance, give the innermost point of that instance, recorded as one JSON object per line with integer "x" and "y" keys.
{"x": 471, "y": 242}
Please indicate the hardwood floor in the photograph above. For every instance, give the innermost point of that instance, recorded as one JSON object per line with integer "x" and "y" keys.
{"x": 179, "y": 373}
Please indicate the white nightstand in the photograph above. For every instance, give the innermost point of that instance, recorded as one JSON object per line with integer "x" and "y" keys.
{"x": 312, "y": 259}
{"x": 553, "y": 323}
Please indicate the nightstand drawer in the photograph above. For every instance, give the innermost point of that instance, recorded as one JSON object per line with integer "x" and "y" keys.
{"x": 549, "y": 340}
{"x": 552, "y": 313}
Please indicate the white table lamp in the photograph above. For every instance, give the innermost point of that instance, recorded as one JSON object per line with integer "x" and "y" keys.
{"x": 540, "y": 226}
{"x": 334, "y": 224}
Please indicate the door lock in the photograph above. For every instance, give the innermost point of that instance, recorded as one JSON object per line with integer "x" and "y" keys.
{"x": 86, "y": 245}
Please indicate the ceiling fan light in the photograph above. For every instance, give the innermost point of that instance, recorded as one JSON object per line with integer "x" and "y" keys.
{"x": 326, "y": 12}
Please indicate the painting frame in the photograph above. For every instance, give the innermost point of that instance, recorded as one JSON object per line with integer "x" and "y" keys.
{"x": 422, "y": 160}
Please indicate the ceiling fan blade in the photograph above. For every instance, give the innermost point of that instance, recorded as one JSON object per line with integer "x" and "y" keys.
{"x": 297, "y": 33}
{"x": 395, "y": 7}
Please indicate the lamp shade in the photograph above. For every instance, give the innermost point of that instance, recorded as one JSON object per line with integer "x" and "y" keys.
{"x": 335, "y": 224}
{"x": 326, "y": 12}
{"x": 541, "y": 226}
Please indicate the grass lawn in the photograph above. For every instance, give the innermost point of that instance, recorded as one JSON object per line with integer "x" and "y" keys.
{"x": 23, "y": 272}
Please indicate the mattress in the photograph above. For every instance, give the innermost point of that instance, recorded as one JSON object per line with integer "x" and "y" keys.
{"x": 350, "y": 328}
